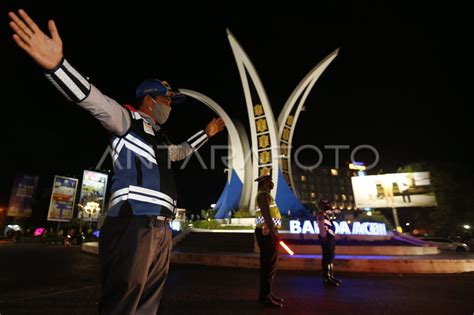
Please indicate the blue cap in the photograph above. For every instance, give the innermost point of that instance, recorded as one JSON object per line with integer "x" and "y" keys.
{"x": 155, "y": 87}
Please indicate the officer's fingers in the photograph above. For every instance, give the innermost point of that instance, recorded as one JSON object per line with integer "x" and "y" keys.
{"x": 22, "y": 44}
{"x": 29, "y": 21}
{"x": 54, "y": 31}
{"x": 15, "y": 19}
{"x": 221, "y": 125}
{"x": 20, "y": 34}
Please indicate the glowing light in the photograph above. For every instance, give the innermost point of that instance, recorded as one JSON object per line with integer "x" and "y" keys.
{"x": 286, "y": 248}
{"x": 14, "y": 227}
{"x": 467, "y": 226}
{"x": 358, "y": 167}
{"x": 38, "y": 231}
{"x": 342, "y": 227}
{"x": 176, "y": 225}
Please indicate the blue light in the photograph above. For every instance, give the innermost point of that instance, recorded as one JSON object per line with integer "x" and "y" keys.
{"x": 341, "y": 227}
{"x": 96, "y": 233}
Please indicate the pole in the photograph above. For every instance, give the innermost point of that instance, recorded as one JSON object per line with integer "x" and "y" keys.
{"x": 395, "y": 217}
{"x": 59, "y": 225}
{"x": 80, "y": 221}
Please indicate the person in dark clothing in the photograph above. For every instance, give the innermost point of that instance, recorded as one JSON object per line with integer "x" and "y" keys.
{"x": 327, "y": 237}
{"x": 268, "y": 221}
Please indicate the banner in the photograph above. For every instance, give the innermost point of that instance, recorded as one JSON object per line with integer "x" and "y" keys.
{"x": 63, "y": 196}
{"x": 394, "y": 190}
{"x": 22, "y": 196}
{"x": 94, "y": 186}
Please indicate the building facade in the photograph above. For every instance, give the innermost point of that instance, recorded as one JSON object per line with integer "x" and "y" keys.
{"x": 325, "y": 183}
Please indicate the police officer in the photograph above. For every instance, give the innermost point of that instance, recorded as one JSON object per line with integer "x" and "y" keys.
{"x": 327, "y": 237}
{"x": 135, "y": 240}
{"x": 268, "y": 221}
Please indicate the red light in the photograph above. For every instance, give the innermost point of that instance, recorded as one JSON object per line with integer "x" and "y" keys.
{"x": 286, "y": 248}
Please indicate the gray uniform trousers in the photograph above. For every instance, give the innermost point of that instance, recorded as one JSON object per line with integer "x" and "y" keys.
{"x": 134, "y": 254}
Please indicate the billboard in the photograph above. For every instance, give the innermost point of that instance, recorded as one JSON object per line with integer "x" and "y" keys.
{"x": 93, "y": 190}
{"x": 63, "y": 196}
{"x": 394, "y": 190}
{"x": 22, "y": 196}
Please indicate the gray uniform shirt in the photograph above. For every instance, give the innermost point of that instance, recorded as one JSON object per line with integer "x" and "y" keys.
{"x": 116, "y": 119}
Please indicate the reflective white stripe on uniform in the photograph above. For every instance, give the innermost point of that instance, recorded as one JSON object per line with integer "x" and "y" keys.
{"x": 70, "y": 84}
{"x": 140, "y": 152}
{"x": 152, "y": 192}
{"x": 116, "y": 151}
{"x": 76, "y": 74}
{"x": 124, "y": 194}
{"x": 56, "y": 85}
{"x": 119, "y": 192}
{"x": 117, "y": 200}
{"x": 197, "y": 134}
{"x": 197, "y": 143}
{"x": 114, "y": 143}
{"x": 140, "y": 144}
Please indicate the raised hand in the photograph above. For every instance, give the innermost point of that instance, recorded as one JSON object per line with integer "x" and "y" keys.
{"x": 215, "y": 126}
{"x": 46, "y": 51}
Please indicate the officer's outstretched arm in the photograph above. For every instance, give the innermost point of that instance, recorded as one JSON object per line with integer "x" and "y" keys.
{"x": 181, "y": 151}
{"x": 47, "y": 51}
{"x": 178, "y": 152}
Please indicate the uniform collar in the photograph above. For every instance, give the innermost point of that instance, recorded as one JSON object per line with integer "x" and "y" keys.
{"x": 150, "y": 120}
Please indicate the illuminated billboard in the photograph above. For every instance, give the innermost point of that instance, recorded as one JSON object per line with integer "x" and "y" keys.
{"x": 21, "y": 200}
{"x": 394, "y": 190}
{"x": 93, "y": 190}
{"x": 61, "y": 206}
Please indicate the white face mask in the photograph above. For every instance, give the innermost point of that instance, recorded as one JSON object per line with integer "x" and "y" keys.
{"x": 160, "y": 112}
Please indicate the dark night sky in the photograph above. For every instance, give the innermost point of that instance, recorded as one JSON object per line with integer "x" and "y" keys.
{"x": 401, "y": 82}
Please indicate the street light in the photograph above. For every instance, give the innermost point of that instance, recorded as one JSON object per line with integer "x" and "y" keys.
{"x": 468, "y": 227}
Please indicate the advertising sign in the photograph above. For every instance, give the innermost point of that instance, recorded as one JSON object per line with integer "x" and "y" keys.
{"x": 22, "y": 196}
{"x": 93, "y": 190}
{"x": 394, "y": 190}
{"x": 61, "y": 206}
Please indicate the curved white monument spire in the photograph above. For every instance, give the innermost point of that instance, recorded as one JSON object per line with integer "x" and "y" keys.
{"x": 263, "y": 128}
{"x": 236, "y": 156}
{"x": 289, "y": 114}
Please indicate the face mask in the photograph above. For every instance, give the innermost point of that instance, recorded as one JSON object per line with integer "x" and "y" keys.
{"x": 161, "y": 113}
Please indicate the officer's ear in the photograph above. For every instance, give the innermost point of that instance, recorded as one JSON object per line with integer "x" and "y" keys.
{"x": 149, "y": 100}
{"x": 145, "y": 101}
